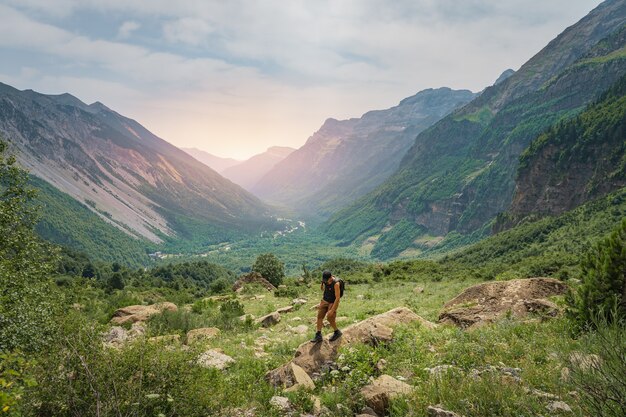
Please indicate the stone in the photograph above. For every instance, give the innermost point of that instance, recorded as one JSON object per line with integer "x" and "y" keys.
{"x": 285, "y": 310}
{"x": 281, "y": 403}
{"x": 299, "y": 301}
{"x": 381, "y": 365}
{"x": 205, "y": 333}
{"x": 290, "y": 378}
{"x": 379, "y": 393}
{"x": 313, "y": 356}
{"x": 301, "y": 329}
{"x": 295, "y": 319}
{"x": 317, "y": 405}
{"x": 213, "y": 358}
{"x": 251, "y": 278}
{"x": 490, "y": 301}
{"x": 438, "y": 411}
{"x": 116, "y": 336}
{"x": 360, "y": 297}
{"x": 368, "y": 411}
{"x": 269, "y": 320}
{"x": 418, "y": 290}
{"x": 558, "y": 407}
{"x": 246, "y": 317}
{"x": 140, "y": 313}
{"x": 541, "y": 394}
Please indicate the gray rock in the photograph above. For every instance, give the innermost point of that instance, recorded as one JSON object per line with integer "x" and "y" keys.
{"x": 438, "y": 411}
{"x": 281, "y": 403}
{"x": 558, "y": 407}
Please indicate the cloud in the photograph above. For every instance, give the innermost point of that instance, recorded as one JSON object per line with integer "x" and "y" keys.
{"x": 188, "y": 30}
{"x": 127, "y": 28}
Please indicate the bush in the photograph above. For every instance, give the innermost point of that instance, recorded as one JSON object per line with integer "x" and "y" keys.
{"x": 601, "y": 294}
{"x": 270, "y": 267}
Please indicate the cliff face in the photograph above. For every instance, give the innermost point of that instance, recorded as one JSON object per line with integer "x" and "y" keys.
{"x": 573, "y": 162}
{"x": 460, "y": 173}
{"x": 345, "y": 159}
{"x": 122, "y": 172}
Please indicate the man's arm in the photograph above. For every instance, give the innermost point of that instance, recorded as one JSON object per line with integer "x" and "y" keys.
{"x": 337, "y": 297}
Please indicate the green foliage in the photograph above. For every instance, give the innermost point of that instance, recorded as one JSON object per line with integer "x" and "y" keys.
{"x": 29, "y": 305}
{"x": 603, "y": 290}
{"x": 397, "y": 239}
{"x": 600, "y": 379}
{"x": 270, "y": 267}
{"x": 340, "y": 266}
{"x": 14, "y": 380}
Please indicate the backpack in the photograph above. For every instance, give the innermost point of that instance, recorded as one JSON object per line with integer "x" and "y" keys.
{"x": 342, "y": 286}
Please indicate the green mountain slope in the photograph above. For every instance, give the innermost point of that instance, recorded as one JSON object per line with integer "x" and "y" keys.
{"x": 460, "y": 173}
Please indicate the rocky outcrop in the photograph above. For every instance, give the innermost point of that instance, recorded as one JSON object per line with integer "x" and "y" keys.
{"x": 312, "y": 357}
{"x": 252, "y": 278}
{"x": 379, "y": 393}
{"x": 140, "y": 313}
{"x": 292, "y": 377}
{"x": 206, "y": 333}
{"x": 487, "y": 302}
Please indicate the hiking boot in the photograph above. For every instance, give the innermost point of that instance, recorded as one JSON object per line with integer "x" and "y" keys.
{"x": 336, "y": 335}
{"x": 318, "y": 337}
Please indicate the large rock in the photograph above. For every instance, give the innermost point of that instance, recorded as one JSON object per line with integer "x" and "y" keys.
{"x": 140, "y": 313}
{"x": 215, "y": 359}
{"x": 295, "y": 378}
{"x": 252, "y": 278}
{"x": 379, "y": 393}
{"x": 487, "y": 302}
{"x": 204, "y": 333}
{"x": 269, "y": 320}
{"x": 313, "y": 356}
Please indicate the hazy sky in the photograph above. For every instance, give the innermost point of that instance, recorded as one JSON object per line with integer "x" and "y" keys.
{"x": 235, "y": 77}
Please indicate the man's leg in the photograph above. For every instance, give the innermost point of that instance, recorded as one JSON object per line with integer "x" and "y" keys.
{"x": 321, "y": 312}
{"x": 331, "y": 317}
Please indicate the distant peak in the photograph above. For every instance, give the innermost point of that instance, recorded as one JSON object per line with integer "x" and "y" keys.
{"x": 98, "y": 106}
{"x": 505, "y": 74}
{"x": 432, "y": 92}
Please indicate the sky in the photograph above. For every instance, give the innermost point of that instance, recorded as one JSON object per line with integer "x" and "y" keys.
{"x": 236, "y": 77}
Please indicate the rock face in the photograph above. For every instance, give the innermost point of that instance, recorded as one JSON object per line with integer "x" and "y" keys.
{"x": 139, "y": 313}
{"x": 197, "y": 335}
{"x": 311, "y": 357}
{"x": 251, "y": 278}
{"x": 269, "y": 320}
{"x": 382, "y": 390}
{"x": 484, "y": 303}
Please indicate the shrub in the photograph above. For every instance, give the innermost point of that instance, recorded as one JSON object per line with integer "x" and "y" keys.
{"x": 270, "y": 267}
{"x": 603, "y": 287}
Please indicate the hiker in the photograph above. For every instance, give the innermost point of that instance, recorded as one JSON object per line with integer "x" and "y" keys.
{"x": 328, "y": 306}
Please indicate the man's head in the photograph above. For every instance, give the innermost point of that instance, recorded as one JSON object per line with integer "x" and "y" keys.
{"x": 326, "y": 276}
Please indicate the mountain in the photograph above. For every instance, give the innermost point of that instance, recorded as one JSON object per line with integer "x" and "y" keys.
{"x": 573, "y": 162}
{"x": 120, "y": 171}
{"x": 248, "y": 172}
{"x": 460, "y": 173}
{"x": 217, "y": 163}
{"x": 345, "y": 159}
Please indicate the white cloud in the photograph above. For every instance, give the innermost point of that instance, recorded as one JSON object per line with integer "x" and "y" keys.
{"x": 188, "y": 30}
{"x": 127, "y": 28}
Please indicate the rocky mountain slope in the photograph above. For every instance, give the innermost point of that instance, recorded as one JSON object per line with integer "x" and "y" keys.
{"x": 460, "y": 174}
{"x": 345, "y": 159}
{"x": 573, "y": 162}
{"x": 250, "y": 171}
{"x": 122, "y": 172}
{"x": 216, "y": 163}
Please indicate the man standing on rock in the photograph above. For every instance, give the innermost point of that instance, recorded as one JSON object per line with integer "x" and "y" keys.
{"x": 328, "y": 306}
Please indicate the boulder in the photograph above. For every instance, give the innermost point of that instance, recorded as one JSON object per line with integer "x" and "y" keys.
{"x": 204, "y": 333}
{"x": 140, "y": 313}
{"x": 281, "y": 403}
{"x": 379, "y": 393}
{"x": 295, "y": 378}
{"x": 269, "y": 320}
{"x": 558, "y": 407}
{"x": 213, "y": 358}
{"x": 299, "y": 301}
{"x": 251, "y": 278}
{"x": 285, "y": 310}
{"x": 313, "y": 356}
{"x": 438, "y": 411}
{"x": 487, "y": 302}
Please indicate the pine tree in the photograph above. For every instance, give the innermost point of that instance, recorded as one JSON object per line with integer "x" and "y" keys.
{"x": 602, "y": 294}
